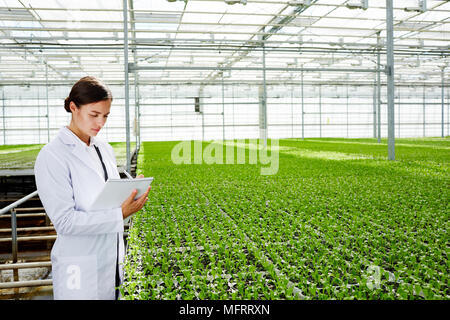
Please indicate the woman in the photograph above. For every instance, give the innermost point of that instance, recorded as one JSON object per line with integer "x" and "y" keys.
{"x": 70, "y": 171}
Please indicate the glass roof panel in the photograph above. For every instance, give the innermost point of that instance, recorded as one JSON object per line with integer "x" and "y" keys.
{"x": 316, "y": 10}
{"x": 207, "y": 18}
{"x": 158, "y": 5}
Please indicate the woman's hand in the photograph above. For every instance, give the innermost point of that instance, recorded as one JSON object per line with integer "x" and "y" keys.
{"x": 130, "y": 206}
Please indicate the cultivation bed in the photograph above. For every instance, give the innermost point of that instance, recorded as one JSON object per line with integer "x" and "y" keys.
{"x": 337, "y": 221}
{"x": 19, "y": 160}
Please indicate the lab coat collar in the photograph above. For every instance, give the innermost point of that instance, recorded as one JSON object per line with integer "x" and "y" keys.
{"x": 79, "y": 147}
{"x": 68, "y": 137}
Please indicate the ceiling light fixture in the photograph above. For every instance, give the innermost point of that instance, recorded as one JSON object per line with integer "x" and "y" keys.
{"x": 421, "y": 7}
{"x": 299, "y": 3}
{"x": 231, "y": 2}
{"x": 362, "y": 4}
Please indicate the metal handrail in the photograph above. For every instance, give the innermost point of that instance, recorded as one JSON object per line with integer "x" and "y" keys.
{"x": 29, "y": 283}
{"x": 29, "y": 238}
{"x": 24, "y": 265}
{"x": 11, "y": 208}
{"x": 17, "y": 203}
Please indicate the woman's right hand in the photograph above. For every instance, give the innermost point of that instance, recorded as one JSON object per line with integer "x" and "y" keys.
{"x": 130, "y": 206}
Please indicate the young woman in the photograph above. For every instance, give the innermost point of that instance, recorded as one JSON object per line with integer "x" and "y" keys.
{"x": 70, "y": 171}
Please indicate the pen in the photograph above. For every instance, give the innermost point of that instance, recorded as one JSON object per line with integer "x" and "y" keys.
{"x": 127, "y": 174}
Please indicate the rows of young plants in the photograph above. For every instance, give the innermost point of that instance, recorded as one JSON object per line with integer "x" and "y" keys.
{"x": 357, "y": 226}
{"x": 181, "y": 247}
{"x": 18, "y": 156}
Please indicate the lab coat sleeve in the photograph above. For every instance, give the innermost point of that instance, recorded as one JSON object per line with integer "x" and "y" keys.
{"x": 54, "y": 186}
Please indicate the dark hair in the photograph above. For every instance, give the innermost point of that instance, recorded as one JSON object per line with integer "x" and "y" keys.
{"x": 87, "y": 90}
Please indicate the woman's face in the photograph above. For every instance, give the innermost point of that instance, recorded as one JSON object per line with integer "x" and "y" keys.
{"x": 90, "y": 118}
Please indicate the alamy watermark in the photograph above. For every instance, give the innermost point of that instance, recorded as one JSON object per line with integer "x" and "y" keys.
{"x": 374, "y": 277}
{"x": 73, "y": 277}
{"x": 192, "y": 152}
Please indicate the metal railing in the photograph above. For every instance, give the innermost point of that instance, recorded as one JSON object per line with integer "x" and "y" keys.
{"x": 14, "y": 240}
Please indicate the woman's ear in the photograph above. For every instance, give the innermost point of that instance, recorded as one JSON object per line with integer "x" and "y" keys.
{"x": 72, "y": 106}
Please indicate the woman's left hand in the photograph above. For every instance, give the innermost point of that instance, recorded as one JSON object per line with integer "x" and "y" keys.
{"x": 140, "y": 176}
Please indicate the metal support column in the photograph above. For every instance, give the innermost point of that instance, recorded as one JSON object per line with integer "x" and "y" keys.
{"x": 442, "y": 103}
{"x": 347, "y": 111}
{"x": 203, "y": 126}
{"x": 390, "y": 78}
{"x": 264, "y": 98}
{"x": 223, "y": 109}
{"x": 138, "y": 118}
{"x": 398, "y": 116}
{"x": 234, "y": 120}
{"x": 379, "y": 99}
{"x": 14, "y": 241}
{"x": 379, "y": 87}
{"x": 375, "y": 107}
{"x": 39, "y": 113}
{"x": 137, "y": 110}
{"x": 127, "y": 89}
{"x": 202, "y": 111}
{"x": 171, "y": 112}
{"x": 292, "y": 111}
{"x": 448, "y": 112}
{"x": 303, "y": 112}
{"x": 46, "y": 95}
{"x": 3, "y": 110}
{"x": 320, "y": 111}
{"x": 423, "y": 110}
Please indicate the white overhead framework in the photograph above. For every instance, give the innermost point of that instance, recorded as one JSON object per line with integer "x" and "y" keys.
{"x": 177, "y": 31}
{"x": 205, "y": 44}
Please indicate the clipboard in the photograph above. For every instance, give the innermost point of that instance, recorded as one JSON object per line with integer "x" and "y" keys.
{"x": 116, "y": 191}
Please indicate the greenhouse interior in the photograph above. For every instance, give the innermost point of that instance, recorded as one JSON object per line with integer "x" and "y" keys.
{"x": 299, "y": 149}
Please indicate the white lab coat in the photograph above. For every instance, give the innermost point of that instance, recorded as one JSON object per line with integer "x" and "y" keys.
{"x": 85, "y": 252}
